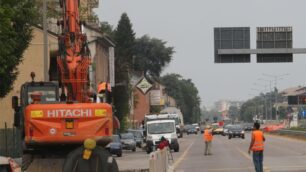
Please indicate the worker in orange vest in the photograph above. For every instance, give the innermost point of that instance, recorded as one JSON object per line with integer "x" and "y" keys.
{"x": 257, "y": 147}
{"x": 208, "y": 137}
{"x": 104, "y": 92}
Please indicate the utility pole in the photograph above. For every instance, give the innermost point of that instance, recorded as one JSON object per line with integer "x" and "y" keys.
{"x": 265, "y": 99}
{"x": 45, "y": 32}
{"x": 276, "y": 78}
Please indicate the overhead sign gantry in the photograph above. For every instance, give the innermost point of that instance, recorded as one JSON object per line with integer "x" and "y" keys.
{"x": 273, "y": 45}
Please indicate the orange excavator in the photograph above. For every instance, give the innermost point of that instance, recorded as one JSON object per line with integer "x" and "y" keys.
{"x": 56, "y": 115}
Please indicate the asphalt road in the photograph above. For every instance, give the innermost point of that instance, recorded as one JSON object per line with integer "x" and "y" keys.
{"x": 280, "y": 155}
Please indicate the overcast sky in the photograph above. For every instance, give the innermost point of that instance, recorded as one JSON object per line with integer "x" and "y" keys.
{"x": 187, "y": 25}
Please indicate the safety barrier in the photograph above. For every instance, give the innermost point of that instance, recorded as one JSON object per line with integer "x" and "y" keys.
{"x": 159, "y": 161}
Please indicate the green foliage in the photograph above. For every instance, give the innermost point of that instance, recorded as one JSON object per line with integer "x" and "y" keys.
{"x": 15, "y": 36}
{"x": 262, "y": 106}
{"x": 151, "y": 55}
{"x": 107, "y": 28}
{"x": 186, "y": 95}
{"x": 124, "y": 37}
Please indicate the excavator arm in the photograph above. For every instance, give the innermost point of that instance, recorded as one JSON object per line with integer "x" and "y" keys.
{"x": 74, "y": 56}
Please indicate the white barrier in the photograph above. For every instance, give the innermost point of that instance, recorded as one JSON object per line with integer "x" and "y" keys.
{"x": 158, "y": 161}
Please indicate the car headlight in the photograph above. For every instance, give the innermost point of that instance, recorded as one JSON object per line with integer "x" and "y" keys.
{"x": 242, "y": 132}
{"x": 230, "y": 132}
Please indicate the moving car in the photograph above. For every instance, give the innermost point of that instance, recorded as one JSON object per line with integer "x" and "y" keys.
{"x": 138, "y": 135}
{"x": 128, "y": 141}
{"x": 248, "y": 127}
{"x": 218, "y": 130}
{"x": 236, "y": 131}
{"x": 202, "y": 129}
{"x": 115, "y": 147}
{"x": 192, "y": 130}
{"x": 158, "y": 129}
{"x": 196, "y": 126}
{"x": 226, "y": 129}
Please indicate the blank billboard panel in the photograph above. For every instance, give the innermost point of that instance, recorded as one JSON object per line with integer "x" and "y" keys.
{"x": 274, "y": 37}
{"x": 232, "y": 38}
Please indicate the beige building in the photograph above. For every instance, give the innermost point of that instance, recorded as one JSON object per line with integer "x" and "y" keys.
{"x": 102, "y": 68}
{"x": 33, "y": 61}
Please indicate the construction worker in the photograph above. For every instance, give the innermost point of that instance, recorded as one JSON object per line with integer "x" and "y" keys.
{"x": 163, "y": 143}
{"x": 257, "y": 147}
{"x": 208, "y": 137}
{"x": 104, "y": 90}
{"x": 90, "y": 158}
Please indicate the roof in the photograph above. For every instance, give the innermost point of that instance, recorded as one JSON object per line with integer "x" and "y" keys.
{"x": 294, "y": 91}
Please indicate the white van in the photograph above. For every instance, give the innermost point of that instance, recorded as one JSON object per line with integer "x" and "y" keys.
{"x": 161, "y": 128}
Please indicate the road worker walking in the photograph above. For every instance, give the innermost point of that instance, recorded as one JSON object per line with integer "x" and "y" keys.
{"x": 257, "y": 147}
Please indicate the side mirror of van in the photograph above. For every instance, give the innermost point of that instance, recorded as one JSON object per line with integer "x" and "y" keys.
{"x": 15, "y": 102}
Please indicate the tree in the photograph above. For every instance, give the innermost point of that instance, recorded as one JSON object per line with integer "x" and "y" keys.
{"x": 185, "y": 94}
{"x": 107, "y": 28}
{"x": 233, "y": 112}
{"x": 151, "y": 55}
{"x": 15, "y": 35}
{"x": 124, "y": 37}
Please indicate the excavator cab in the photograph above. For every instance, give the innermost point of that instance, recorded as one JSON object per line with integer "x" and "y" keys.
{"x": 34, "y": 92}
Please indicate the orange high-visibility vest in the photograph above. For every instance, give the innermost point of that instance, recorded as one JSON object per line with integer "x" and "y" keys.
{"x": 207, "y": 135}
{"x": 258, "y": 142}
{"x": 102, "y": 87}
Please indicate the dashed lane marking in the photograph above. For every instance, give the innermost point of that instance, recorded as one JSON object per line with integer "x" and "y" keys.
{"x": 266, "y": 169}
{"x": 181, "y": 158}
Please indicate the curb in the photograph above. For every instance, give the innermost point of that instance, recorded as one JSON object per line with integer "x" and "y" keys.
{"x": 135, "y": 170}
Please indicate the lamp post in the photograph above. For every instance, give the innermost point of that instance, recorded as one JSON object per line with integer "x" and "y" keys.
{"x": 276, "y": 78}
{"x": 264, "y": 95}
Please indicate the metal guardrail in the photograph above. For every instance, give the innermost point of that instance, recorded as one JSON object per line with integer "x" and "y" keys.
{"x": 291, "y": 132}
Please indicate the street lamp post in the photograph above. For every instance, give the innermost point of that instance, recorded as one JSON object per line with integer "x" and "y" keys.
{"x": 276, "y": 78}
{"x": 265, "y": 99}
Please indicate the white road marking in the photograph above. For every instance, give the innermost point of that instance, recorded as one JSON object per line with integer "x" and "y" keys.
{"x": 181, "y": 158}
{"x": 266, "y": 169}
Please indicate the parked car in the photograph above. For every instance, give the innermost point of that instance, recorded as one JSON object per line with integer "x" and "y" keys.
{"x": 236, "y": 131}
{"x": 115, "y": 147}
{"x": 138, "y": 135}
{"x": 192, "y": 130}
{"x": 128, "y": 141}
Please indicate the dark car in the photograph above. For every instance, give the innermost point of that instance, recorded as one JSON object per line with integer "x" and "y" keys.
{"x": 248, "y": 127}
{"x": 115, "y": 147}
{"x": 128, "y": 141}
{"x": 192, "y": 130}
{"x": 138, "y": 135}
{"x": 236, "y": 131}
{"x": 226, "y": 129}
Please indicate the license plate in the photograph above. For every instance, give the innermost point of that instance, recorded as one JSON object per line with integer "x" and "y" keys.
{"x": 69, "y": 124}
